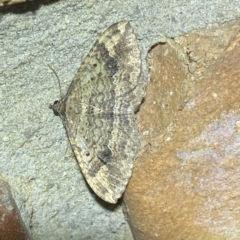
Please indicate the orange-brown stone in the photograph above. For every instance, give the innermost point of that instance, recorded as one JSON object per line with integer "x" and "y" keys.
{"x": 186, "y": 181}
{"x": 12, "y": 226}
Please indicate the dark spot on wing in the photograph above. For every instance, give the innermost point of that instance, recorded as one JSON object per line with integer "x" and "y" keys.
{"x": 112, "y": 66}
{"x": 105, "y": 156}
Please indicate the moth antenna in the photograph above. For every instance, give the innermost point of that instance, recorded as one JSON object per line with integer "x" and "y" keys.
{"x": 60, "y": 89}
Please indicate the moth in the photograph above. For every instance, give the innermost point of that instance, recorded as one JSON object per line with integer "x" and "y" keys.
{"x": 98, "y": 111}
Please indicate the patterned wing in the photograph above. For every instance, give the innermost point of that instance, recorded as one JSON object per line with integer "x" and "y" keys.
{"x": 106, "y": 152}
{"x": 100, "y": 106}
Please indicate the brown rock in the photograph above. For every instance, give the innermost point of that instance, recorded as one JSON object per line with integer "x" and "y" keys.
{"x": 186, "y": 182}
{"x": 9, "y": 2}
{"x": 12, "y": 226}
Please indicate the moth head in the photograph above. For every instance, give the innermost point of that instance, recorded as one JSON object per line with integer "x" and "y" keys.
{"x": 58, "y": 108}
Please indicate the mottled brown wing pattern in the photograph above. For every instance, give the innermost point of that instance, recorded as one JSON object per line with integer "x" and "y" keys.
{"x": 98, "y": 111}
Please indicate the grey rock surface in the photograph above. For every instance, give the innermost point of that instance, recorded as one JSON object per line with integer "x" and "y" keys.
{"x": 35, "y": 156}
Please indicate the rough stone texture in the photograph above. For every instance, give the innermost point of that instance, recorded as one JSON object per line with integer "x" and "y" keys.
{"x": 35, "y": 156}
{"x": 185, "y": 184}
